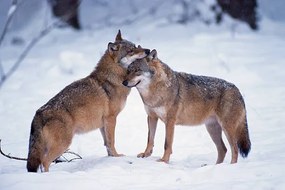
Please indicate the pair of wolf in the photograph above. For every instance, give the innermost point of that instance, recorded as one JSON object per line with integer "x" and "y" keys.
{"x": 176, "y": 98}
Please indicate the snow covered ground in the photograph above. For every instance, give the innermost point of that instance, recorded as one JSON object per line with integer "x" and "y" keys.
{"x": 254, "y": 61}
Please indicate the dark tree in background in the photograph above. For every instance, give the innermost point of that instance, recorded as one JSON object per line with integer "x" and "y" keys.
{"x": 67, "y": 11}
{"x": 244, "y": 10}
{"x": 107, "y": 13}
{"x": 190, "y": 10}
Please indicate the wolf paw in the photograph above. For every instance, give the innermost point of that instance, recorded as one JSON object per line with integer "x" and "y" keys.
{"x": 163, "y": 160}
{"x": 119, "y": 155}
{"x": 116, "y": 155}
{"x": 144, "y": 155}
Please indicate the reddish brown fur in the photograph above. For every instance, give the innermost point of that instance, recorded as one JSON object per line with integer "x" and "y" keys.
{"x": 185, "y": 99}
{"x": 87, "y": 104}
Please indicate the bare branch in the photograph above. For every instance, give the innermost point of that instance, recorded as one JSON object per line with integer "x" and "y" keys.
{"x": 73, "y": 153}
{"x": 35, "y": 40}
{"x": 62, "y": 158}
{"x": 11, "y": 13}
{"x": 58, "y": 160}
{"x": 2, "y": 74}
{"x": 11, "y": 157}
{"x": 23, "y": 55}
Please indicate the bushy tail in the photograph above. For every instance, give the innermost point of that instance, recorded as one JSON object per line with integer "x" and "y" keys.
{"x": 35, "y": 146}
{"x": 243, "y": 141}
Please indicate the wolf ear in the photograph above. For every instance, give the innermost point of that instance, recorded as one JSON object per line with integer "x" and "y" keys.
{"x": 119, "y": 36}
{"x": 113, "y": 47}
{"x": 152, "y": 55}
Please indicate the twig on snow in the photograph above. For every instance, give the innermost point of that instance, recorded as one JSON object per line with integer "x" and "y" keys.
{"x": 64, "y": 159}
{"x": 60, "y": 159}
{"x": 11, "y": 157}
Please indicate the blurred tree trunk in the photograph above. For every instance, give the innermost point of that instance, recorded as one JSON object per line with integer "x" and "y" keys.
{"x": 244, "y": 10}
{"x": 67, "y": 11}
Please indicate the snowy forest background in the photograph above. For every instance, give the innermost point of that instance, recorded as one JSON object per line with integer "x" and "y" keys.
{"x": 242, "y": 41}
{"x": 92, "y": 15}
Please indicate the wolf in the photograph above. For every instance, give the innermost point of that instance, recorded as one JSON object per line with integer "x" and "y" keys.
{"x": 84, "y": 105}
{"x": 179, "y": 98}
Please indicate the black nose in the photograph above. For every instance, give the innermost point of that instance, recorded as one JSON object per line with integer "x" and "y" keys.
{"x": 125, "y": 83}
{"x": 147, "y": 51}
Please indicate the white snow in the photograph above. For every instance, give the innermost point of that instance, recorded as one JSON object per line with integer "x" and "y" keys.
{"x": 253, "y": 61}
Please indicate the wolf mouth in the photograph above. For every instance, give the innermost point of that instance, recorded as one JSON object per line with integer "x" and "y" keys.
{"x": 125, "y": 83}
{"x": 135, "y": 84}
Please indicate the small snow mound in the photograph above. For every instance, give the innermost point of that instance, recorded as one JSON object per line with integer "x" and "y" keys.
{"x": 71, "y": 61}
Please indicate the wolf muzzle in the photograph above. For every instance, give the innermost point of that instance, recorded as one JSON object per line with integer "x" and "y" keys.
{"x": 125, "y": 83}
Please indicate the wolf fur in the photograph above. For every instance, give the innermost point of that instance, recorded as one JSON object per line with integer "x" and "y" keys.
{"x": 184, "y": 99}
{"x": 87, "y": 104}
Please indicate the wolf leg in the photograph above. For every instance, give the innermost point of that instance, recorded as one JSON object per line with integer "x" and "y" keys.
{"x": 230, "y": 131}
{"x": 215, "y": 131}
{"x": 102, "y": 130}
{"x": 57, "y": 139}
{"x": 168, "y": 141}
{"x": 152, "y": 124}
{"x": 110, "y": 125}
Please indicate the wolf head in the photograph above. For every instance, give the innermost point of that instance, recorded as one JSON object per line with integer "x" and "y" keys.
{"x": 125, "y": 52}
{"x": 142, "y": 71}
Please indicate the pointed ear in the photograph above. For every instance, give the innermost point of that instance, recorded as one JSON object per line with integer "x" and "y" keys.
{"x": 113, "y": 47}
{"x": 119, "y": 36}
{"x": 152, "y": 55}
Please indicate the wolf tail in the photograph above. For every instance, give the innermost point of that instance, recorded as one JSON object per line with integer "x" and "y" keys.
{"x": 36, "y": 145}
{"x": 243, "y": 141}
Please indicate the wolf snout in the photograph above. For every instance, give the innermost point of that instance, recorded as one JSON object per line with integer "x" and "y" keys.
{"x": 125, "y": 83}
